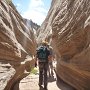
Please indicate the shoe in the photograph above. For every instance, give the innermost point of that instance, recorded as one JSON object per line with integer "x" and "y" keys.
{"x": 45, "y": 88}
{"x": 40, "y": 85}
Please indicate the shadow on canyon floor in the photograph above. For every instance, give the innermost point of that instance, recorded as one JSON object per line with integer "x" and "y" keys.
{"x": 54, "y": 83}
{"x": 62, "y": 85}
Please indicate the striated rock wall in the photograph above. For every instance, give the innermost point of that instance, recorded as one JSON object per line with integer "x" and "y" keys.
{"x": 17, "y": 46}
{"x": 69, "y": 22}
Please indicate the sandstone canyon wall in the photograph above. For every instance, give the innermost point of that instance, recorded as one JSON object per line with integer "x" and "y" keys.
{"x": 68, "y": 22}
{"x": 17, "y": 46}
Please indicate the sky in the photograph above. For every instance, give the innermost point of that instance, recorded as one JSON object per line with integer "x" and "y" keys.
{"x": 36, "y": 10}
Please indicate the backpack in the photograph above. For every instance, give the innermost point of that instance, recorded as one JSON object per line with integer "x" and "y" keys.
{"x": 42, "y": 54}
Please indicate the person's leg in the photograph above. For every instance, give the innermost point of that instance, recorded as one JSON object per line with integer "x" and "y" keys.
{"x": 48, "y": 70}
{"x": 51, "y": 66}
{"x": 45, "y": 75}
{"x": 40, "y": 74}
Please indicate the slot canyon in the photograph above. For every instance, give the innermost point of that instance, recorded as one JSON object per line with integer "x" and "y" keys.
{"x": 66, "y": 27}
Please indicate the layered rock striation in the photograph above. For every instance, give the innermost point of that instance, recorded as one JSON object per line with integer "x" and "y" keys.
{"x": 66, "y": 25}
{"x": 69, "y": 24}
{"x": 17, "y": 46}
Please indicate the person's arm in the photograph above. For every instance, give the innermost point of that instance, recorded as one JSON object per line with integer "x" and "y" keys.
{"x": 50, "y": 54}
{"x": 35, "y": 61}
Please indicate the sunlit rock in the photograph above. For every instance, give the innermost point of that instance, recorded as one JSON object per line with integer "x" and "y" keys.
{"x": 69, "y": 21}
{"x": 17, "y": 47}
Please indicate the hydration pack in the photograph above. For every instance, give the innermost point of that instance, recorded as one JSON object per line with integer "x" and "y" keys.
{"x": 43, "y": 53}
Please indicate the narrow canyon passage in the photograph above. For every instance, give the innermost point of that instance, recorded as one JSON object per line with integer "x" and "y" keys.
{"x": 31, "y": 83}
{"x": 66, "y": 28}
